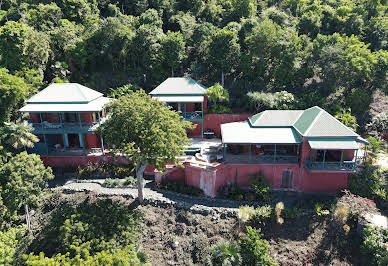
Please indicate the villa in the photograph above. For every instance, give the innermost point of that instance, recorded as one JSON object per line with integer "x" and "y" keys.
{"x": 296, "y": 150}
{"x": 64, "y": 117}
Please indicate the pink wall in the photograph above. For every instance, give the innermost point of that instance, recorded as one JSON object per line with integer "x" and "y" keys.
{"x": 92, "y": 141}
{"x": 214, "y": 121}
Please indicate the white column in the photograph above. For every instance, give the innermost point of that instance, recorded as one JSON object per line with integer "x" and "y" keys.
{"x": 81, "y": 140}
{"x": 65, "y": 140}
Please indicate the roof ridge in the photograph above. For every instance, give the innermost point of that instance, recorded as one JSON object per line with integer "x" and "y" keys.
{"x": 315, "y": 120}
{"x": 80, "y": 91}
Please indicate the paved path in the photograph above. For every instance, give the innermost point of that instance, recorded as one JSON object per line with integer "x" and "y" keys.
{"x": 157, "y": 197}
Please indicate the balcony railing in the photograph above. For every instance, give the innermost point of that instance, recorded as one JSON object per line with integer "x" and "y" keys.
{"x": 192, "y": 116}
{"x": 331, "y": 166}
{"x": 42, "y": 149}
{"x": 261, "y": 159}
{"x": 57, "y": 128}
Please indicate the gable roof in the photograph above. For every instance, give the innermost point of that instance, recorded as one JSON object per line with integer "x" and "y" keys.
{"x": 275, "y": 118}
{"x": 65, "y": 93}
{"x": 312, "y": 122}
{"x": 179, "y": 86}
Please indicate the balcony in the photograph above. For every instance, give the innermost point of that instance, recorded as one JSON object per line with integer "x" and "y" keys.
{"x": 43, "y": 149}
{"x": 344, "y": 166}
{"x": 261, "y": 159}
{"x": 192, "y": 116}
{"x": 61, "y": 128}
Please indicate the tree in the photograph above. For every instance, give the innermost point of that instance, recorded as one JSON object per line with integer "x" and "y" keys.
{"x": 345, "y": 117}
{"x": 16, "y": 136}
{"x": 13, "y": 92}
{"x": 217, "y": 93}
{"x": 23, "y": 179}
{"x": 225, "y": 253}
{"x": 21, "y": 46}
{"x": 173, "y": 50}
{"x": 224, "y": 51}
{"x": 145, "y": 131}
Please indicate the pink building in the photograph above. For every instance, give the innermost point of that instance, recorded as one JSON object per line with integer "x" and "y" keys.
{"x": 65, "y": 117}
{"x": 296, "y": 150}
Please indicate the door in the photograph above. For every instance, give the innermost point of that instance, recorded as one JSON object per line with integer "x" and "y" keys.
{"x": 287, "y": 178}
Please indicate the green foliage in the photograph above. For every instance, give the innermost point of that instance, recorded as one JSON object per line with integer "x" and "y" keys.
{"x": 23, "y": 179}
{"x": 123, "y": 90}
{"x": 129, "y": 181}
{"x": 378, "y": 124}
{"x": 262, "y": 215}
{"x": 376, "y": 146}
{"x": 261, "y": 186}
{"x": 96, "y": 170}
{"x": 375, "y": 246}
{"x": 260, "y": 101}
{"x": 13, "y": 91}
{"x": 225, "y": 253}
{"x": 219, "y": 109}
{"x": 173, "y": 50}
{"x": 345, "y": 117}
{"x": 180, "y": 187}
{"x": 124, "y": 256}
{"x": 91, "y": 227}
{"x": 145, "y": 130}
{"x": 217, "y": 93}
{"x": 370, "y": 183}
{"x": 8, "y": 244}
{"x": 254, "y": 249}
{"x": 17, "y": 136}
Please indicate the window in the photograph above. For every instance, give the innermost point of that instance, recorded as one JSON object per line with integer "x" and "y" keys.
{"x": 287, "y": 178}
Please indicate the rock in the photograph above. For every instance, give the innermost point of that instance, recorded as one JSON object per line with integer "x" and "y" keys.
{"x": 373, "y": 220}
{"x": 174, "y": 245}
{"x": 180, "y": 229}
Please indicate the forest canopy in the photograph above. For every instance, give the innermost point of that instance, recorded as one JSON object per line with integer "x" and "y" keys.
{"x": 328, "y": 53}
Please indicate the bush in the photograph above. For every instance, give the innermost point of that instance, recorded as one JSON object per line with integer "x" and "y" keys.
{"x": 378, "y": 124}
{"x": 356, "y": 205}
{"x": 217, "y": 93}
{"x": 8, "y": 243}
{"x": 98, "y": 170}
{"x": 180, "y": 187}
{"x": 261, "y": 187}
{"x": 375, "y": 246}
{"x": 90, "y": 227}
{"x": 370, "y": 183}
{"x": 262, "y": 215}
{"x": 225, "y": 253}
{"x": 129, "y": 181}
{"x": 260, "y": 101}
{"x": 219, "y": 109}
{"x": 253, "y": 249}
{"x": 125, "y": 256}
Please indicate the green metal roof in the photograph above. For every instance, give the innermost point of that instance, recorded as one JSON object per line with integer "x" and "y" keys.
{"x": 65, "y": 93}
{"x": 306, "y": 119}
{"x": 312, "y": 122}
{"x": 275, "y": 118}
{"x": 179, "y": 86}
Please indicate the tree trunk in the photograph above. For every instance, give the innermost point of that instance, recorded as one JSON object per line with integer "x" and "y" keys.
{"x": 172, "y": 72}
{"x": 222, "y": 78}
{"x": 139, "y": 176}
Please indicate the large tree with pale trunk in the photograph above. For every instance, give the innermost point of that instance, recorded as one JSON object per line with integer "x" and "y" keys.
{"x": 145, "y": 131}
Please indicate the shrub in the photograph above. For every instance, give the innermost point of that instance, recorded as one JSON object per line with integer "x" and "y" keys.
{"x": 245, "y": 213}
{"x": 260, "y": 101}
{"x": 96, "y": 170}
{"x": 219, "y": 109}
{"x": 378, "y": 124}
{"x": 262, "y": 215}
{"x": 261, "y": 187}
{"x": 253, "y": 249}
{"x": 180, "y": 187}
{"x": 370, "y": 183}
{"x": 225, "y": 253}
{"x": 356, "y": 205}
{"x": 125, "y": 256}
{"x": 217, "y": 93}
{"x": 376, "y": 146}
{"x": 8, "y": 244}
{"x": 375, "y": 246}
